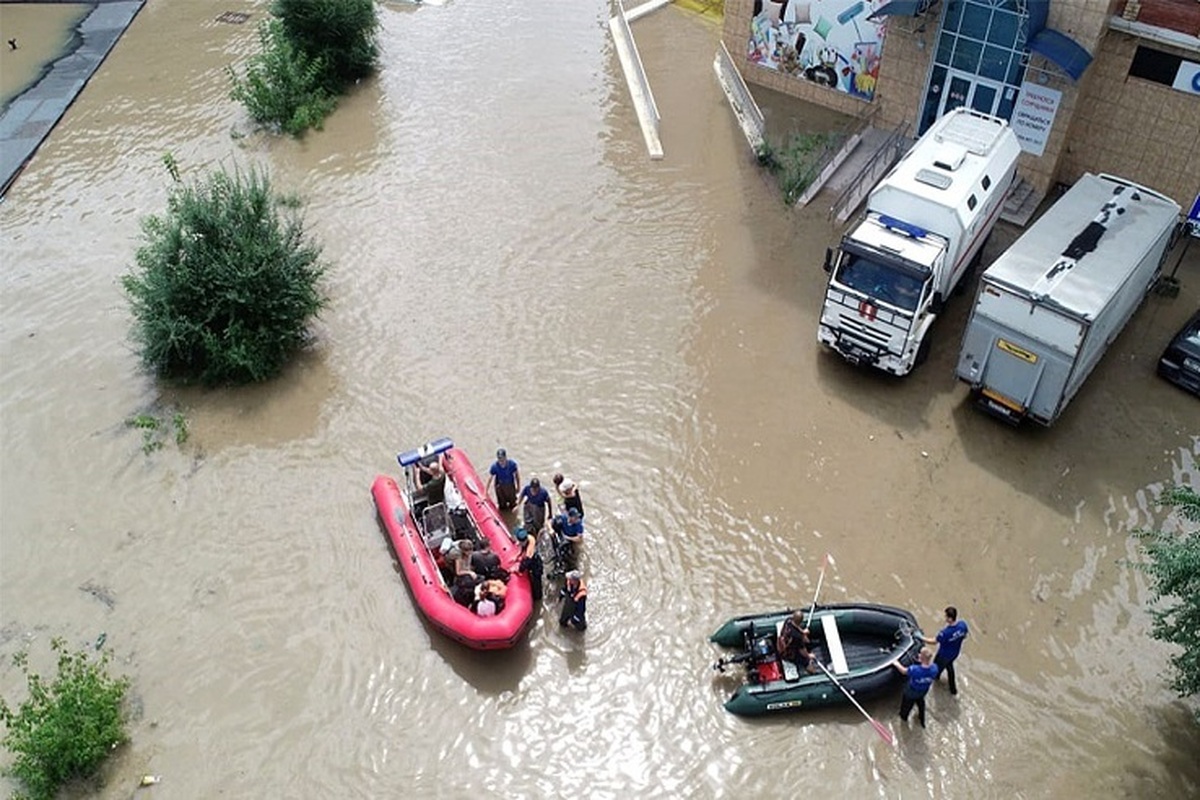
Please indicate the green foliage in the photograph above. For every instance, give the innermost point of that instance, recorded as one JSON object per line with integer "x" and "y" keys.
{"x": 282, "y": 88}
{"x": 224, "y": 284}
{"x": 179, "y": 421}
{"x": 797, "y": 162}
{"x": 66, "y": 728}
{"x": 1174, "y": 569}
{"x": 339, "y": 34}
{"x": 155, "y": 428}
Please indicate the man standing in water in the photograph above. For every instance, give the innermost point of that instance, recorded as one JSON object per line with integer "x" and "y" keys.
{"x": 920, "y": 677}
{"x": 507, "y": 478}
{"x": 949, "y": 641}
{"x": 574, "y": 600}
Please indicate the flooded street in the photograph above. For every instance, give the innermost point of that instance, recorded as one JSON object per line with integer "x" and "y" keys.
{"x": 508, "y": 268}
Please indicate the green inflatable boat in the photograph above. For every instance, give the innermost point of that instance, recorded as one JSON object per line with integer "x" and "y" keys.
{"x": 855, "y": 643}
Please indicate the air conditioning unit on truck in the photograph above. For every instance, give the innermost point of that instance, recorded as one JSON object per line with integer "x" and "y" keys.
{"x": 923, "y": 231}
{"x": 1049, "y": 307}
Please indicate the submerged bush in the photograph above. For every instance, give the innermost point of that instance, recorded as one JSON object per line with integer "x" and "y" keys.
{"x": 797, "y": 162}
{"x": 283, "y": 87}
{"x": 225, "y": 284}
{"x": 1173, "y": 566}
{"x": 339, "y": 34}
{"x": 66, "y": 728}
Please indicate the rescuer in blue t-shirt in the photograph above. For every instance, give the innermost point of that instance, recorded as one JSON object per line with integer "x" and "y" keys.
{"x": 920, "y": 677}
{"x": 507, "y": 478}
{"x": 949, "y": 641}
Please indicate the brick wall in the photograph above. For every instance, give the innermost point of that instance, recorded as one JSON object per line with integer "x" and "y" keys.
{"x": 1133, "y": 128}
{"x": 1176, "y": 15}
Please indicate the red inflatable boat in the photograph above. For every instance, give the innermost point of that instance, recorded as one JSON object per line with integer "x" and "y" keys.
{"x": 416, "y": 530}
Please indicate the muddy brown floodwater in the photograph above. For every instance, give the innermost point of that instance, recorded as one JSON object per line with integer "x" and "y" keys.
{"x": 508, "y": 268}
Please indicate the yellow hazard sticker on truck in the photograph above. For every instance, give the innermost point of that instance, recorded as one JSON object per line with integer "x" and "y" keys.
{"x": 1014, "y": 350}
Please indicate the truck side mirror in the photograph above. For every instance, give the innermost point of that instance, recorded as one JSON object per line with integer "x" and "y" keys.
{"x": 936, "y": 304}
{"x": 828, "y": 260}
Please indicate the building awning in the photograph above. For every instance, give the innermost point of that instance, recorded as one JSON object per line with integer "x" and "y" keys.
{"x": 1061, "y": 50}
{"x": 901, "y": 8}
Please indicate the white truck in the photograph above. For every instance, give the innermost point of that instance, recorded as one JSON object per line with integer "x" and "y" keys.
{"x": 1048, "y": 308}
{"x": 923, "y": 231}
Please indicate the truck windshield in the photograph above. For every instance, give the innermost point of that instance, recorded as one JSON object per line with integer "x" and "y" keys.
{"x": 879, "y": 281}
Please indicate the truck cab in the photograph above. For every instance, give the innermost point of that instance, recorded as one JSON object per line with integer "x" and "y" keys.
{"x": 922, "y": 233}
{"x": 881, "y": 295}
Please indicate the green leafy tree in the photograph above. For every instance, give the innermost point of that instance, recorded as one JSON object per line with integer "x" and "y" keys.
{"x": 66, "y": 728}
{"x": 225, "y": 283}
{"x": 340, "y": 34}
{"x": 282, "y": 87}
{"x": 1173, "y": 566}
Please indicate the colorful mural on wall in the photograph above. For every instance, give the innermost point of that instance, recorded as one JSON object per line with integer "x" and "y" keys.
{"x": 828, "y": 42}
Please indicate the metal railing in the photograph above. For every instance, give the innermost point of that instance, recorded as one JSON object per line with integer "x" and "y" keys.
{"x": 883, "y": 159}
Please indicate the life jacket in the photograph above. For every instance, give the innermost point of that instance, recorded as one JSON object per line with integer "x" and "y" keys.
{"x": 579, "y": 593}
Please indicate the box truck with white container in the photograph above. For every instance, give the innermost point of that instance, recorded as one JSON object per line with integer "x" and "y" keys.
{"x": 1048, "y": 308}
{"x": 922, "y": 233}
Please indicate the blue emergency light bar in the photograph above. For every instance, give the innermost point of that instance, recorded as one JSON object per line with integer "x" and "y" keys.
{"x": 410, "y": 457}
{"x": 907, "y": 228}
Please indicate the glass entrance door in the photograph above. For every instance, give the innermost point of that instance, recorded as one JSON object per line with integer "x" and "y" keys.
{"x": 964, "y": 89}
{"x": 979, "y": 61}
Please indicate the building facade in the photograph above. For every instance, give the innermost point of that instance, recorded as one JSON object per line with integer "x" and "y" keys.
{"x": 1088, "y": 85}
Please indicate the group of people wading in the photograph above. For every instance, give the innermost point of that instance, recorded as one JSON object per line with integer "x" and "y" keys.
{"x": 534, "y": 506}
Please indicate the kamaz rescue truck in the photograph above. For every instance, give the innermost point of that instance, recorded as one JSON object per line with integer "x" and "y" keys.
{"x": 923, "y": 231}
{"x": 1050, "y": 305}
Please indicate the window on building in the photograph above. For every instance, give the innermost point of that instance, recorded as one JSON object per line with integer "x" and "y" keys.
{"x": 1154, "y": 65}
{"x": 979, "y": 60}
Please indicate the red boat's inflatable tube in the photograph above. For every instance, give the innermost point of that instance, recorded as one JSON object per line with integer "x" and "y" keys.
{"x": 424, "y": 579}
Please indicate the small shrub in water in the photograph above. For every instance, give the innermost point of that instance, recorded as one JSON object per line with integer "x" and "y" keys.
{"x": 282, "y": 88}
{"x": 224, "y": 285}
{"x": 67, "y": 727}
{"x": 337, "y": 34}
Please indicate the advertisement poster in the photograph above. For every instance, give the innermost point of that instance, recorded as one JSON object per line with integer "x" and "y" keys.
{"x": 828, "y": 42}
{"x": 1034, "y": 115}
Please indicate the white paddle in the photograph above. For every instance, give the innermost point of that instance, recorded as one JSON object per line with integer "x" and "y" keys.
{"x": 876, "y": 724}
{"x": 824, "y": 563}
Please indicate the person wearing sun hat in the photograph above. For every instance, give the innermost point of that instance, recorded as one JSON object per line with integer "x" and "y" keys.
{"x": 569, "y": 493}
{"x": 507, "y": 477}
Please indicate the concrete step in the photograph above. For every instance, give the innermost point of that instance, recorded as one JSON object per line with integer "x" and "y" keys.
{"x": 1021, "y": 203}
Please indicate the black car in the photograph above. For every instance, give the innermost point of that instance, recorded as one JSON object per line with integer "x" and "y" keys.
{"x": 1180, "y": 362}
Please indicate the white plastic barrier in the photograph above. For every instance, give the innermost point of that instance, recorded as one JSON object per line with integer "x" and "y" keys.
{"x": 635, "y": 77}
{"x": 748, "y": 114}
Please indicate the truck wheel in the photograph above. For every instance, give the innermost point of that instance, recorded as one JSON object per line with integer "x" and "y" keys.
{"x": 922, "y": 352}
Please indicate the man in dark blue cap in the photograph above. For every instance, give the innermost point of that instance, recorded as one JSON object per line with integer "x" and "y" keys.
{"x": 507, "y": 478}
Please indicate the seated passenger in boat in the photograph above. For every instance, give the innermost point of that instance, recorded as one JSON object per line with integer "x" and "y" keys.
{"x": 494, "y": 592}
{"x": 462, "y": 561}
{"x": 463, "y": 590}
{"x": 793, "y": 643}
{"x": 485, "y": 561}
{"x": 455, "y": 558}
